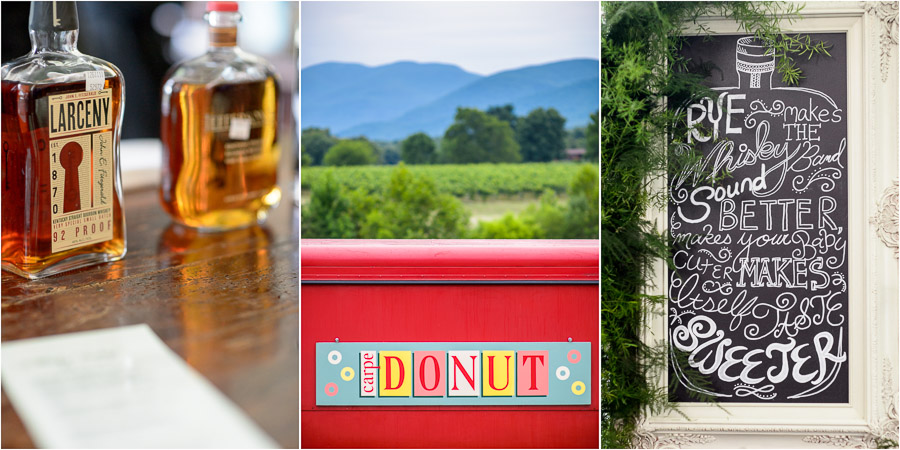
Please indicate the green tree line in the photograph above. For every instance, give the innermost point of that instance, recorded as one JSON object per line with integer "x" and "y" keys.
{"x": 496, "y": 135}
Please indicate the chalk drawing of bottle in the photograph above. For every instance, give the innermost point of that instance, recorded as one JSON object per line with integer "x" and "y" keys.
{"x": 787, "y": 130}
{"x": 754, "y": 64}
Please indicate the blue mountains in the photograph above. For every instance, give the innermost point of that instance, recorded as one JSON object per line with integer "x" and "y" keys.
{"x": 392, "y": 101}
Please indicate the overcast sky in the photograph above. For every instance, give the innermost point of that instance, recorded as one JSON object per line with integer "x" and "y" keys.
{"x": 480, "y": 37}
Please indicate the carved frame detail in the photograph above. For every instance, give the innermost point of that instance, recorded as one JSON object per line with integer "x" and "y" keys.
{"x": 886, "y": 12}
{"x": 880, "y": 433}
{"x": 886, "y": 219}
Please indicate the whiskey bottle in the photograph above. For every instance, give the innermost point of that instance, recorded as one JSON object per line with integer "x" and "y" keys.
{"x": 219, "y": 133}
{"x": 61, "y": 121}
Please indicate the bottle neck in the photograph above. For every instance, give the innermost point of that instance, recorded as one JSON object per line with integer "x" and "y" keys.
{"x": 53, "y": 26}
{"x": 757, "y": 80}
{"x": 223, "y": 30}
{"x": 49, "y": 41}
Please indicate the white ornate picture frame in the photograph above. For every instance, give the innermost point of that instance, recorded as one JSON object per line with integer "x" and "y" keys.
{"x": 869, "y": 419}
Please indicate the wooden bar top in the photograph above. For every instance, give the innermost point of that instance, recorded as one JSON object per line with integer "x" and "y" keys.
{"x": 228, "y": 303}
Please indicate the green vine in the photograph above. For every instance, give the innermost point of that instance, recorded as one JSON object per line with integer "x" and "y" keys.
{"x": 642, "y": 72}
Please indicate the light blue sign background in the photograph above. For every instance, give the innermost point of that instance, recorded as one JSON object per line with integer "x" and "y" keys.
{"x": 560, "y": 391}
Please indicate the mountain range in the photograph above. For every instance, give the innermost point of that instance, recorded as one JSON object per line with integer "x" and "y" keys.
{"x": 392, "y": 101}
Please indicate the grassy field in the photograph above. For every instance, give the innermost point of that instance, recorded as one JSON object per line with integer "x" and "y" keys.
{"x": 484, "y": 210}
{"x": 488, "y": 191}
{"x": 461, "y": 180}
{"x": 496, "y": 207}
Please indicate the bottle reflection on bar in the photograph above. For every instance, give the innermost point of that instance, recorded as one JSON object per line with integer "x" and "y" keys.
{"x": 211, "y": 304}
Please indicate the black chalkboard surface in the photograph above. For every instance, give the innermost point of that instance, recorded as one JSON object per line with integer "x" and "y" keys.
{"x": 758, "y": 296}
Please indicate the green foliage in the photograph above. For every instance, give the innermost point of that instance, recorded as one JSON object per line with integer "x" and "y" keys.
{"x": 641, "y": 72}
{"x": 549, "y": 215}
{"x": 412, "y": 208}
{"x": 418, "y": 149}
{"x": 472, "y": 180}
{"x": 576, "y": 137}
{"x": 350, "y": 153}
{"x": 412, "y": 205}
{"x": 315, "y": 142}
{"x": 390, "y": 156}
{"x": 328, "y": 212}
{"x": 388, "y": 152}
{"x": 592, "y": 140}
{"x": 582, "y": 218}
{"x": 504, "y": 113}
{"x": 509, "y": 227}
{"x": 477, "y": 137}
{"x": 541, "y": 135}
{"x": 550, "y": 219}
{"x": 409, "y": 208}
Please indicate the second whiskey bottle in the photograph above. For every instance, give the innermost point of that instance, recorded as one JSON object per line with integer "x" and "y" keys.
{"x": 219, "y": 133}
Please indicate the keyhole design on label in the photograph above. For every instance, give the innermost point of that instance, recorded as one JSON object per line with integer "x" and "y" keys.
{"x": 70, "y": 158}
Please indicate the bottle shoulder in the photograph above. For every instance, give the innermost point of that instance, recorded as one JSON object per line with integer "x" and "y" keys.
{"x": 220, "y": 67}
{"x": 55, "y": 67}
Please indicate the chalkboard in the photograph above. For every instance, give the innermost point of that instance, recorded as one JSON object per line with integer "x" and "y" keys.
{"x": 757, "y": 297}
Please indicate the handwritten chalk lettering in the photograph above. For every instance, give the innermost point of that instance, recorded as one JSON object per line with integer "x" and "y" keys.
{"x": 802, "y": 131}
{"x": 706, "y": 110}
{"x": 758, "y": 285}
{"x": 812, "y": 113}
{"x": 782, "y": 272}
{"x": 773, "y": 363}
{"x": 720, "y": 193}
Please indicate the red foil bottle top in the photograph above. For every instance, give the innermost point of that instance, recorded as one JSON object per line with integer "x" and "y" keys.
{"x": 222, "y": 6}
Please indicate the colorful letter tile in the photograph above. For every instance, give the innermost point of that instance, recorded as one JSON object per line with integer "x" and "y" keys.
{"x": 430, "y": 374}
{"x": 498, "y": 374}
{"x": 534, "y": 373}
{"x": 368, "y": 373}
{"x": 464, "y": 376}
{"x": 395, "y": 377}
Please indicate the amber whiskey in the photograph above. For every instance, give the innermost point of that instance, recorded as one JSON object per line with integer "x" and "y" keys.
{"x": 61, "y": 122}
{"x": 219, "y": 133}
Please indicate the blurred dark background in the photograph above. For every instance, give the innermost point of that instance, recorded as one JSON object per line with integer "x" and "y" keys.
{"x": 144, "y": 39}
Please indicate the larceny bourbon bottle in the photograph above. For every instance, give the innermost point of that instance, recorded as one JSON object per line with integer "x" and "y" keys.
{"x": 219, "y": 133}
{"x": 62, "y": 116}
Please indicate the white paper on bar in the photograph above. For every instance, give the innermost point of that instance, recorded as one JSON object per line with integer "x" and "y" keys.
{"x": 119, "y": 388}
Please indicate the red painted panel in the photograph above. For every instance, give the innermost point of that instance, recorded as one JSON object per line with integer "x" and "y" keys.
{"x": 569, "y": 260}
{"x": 543, "y": 429}
{"x": 455, "y": 313}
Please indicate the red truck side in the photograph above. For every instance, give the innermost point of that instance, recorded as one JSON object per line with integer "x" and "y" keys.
{"x": 448, "y": 291}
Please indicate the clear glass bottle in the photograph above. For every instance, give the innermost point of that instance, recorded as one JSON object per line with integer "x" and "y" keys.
{"x": 61, "y": 123}
{"x": 219, "y": 131}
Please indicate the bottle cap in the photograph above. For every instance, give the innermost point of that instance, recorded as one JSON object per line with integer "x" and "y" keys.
{"x": 753, "y": 56}
{"x": 222, "y": 6}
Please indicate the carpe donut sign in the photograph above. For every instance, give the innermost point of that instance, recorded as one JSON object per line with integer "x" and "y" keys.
{"x": 453, "y": 373}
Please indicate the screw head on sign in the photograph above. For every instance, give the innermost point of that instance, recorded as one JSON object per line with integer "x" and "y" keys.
{"x": 570, "y": 339}
{"x": 337, "y": 340}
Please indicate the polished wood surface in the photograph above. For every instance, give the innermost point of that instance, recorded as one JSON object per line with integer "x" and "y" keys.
{"x": 228, "y": 303}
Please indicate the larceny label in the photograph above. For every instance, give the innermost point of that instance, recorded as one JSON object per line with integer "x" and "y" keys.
{"x": 82, "y": 170}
